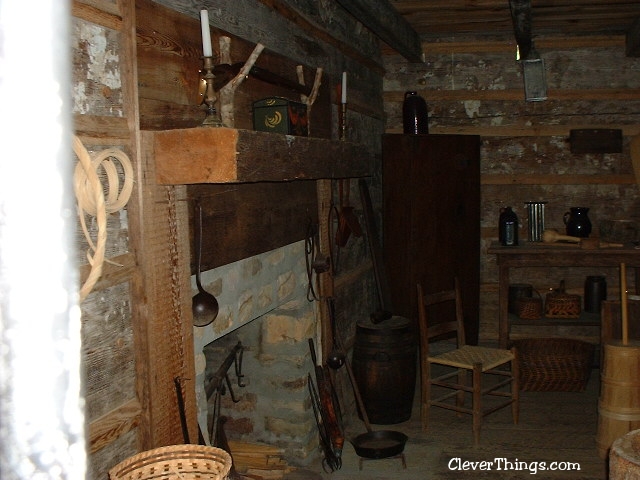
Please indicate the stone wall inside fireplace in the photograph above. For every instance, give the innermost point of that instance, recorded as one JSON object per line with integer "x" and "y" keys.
{"x": 263, "y": 304}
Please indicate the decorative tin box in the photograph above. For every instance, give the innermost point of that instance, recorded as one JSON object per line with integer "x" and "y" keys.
{"x": 280, "y": 115}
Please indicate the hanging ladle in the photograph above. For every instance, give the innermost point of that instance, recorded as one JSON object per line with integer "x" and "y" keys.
{"x": 204, "y": 305}
{"x": 336, "y": 356}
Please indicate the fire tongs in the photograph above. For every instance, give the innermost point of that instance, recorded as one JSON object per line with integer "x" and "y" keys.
{"x": 215, "y": 388}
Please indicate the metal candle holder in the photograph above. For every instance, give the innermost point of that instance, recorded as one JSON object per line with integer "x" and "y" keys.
{"x": 343, "y": 122}
{"x": 212, "y": 119}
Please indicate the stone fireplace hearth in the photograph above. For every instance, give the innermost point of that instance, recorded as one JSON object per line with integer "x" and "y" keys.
{"x": 263, "y": 304}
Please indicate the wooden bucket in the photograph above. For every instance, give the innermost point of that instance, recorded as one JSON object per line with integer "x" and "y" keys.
{"x": 619, "y": 403}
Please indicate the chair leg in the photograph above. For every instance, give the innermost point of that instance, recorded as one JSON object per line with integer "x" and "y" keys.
{"x": 462, "y": 380}
{"x": 515, "y": 387}
{"x": 477, "y": 402}
{"x": 426, "y": 395}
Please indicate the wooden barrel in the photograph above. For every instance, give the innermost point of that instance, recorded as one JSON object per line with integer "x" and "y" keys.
{"x": 619, "y": 403}
{"x": 384, "y": 366}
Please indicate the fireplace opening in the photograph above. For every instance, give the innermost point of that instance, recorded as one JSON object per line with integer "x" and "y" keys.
{"x": 264, "y": 307}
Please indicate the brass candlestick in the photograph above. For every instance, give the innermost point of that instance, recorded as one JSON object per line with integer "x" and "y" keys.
{"x": 212, "y": 119}
{"x": 343, "y": 122}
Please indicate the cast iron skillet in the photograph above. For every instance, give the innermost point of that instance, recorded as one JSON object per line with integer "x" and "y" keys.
{"x": 378, "y": 444}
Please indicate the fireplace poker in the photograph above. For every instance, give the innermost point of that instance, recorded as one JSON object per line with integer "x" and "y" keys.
{"x": 177, "y": 381}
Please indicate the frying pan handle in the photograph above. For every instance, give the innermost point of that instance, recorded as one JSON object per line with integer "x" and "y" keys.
{"x": 354, "y": 385}
{"x": 356, "y": 393}
{"x": 384, "y": 293}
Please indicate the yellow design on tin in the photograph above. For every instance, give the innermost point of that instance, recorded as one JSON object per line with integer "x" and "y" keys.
{"x": 274, "y": 121}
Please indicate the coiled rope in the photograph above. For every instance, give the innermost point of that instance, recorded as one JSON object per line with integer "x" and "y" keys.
{"x": 91, "y": 200}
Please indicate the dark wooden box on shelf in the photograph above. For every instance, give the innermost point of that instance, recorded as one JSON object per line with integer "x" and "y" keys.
{"x": 431, "y": 198}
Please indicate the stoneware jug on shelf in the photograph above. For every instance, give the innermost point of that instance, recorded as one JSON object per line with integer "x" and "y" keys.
{"x": 508, "y": 227}
{"x": 577, "y": 222}
{"x": 415, "y": 119}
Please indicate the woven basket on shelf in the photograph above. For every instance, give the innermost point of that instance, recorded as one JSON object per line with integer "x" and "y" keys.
{"x": 554, "y": 364}
{"x": 562, "y": 305}
{"x": 529, "y": 308}
{"x": 175, "y": 462}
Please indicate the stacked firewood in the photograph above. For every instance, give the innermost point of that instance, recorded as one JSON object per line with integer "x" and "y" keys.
{"x": 259, "y": 461}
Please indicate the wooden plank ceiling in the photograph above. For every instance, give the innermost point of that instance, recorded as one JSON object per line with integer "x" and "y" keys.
{"x": 433, "y": 19}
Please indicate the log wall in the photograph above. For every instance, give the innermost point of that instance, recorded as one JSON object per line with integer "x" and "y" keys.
{"x": 113, "y": 346}
{"x": 137, "y": 328}
{"x": 476, "y": 87}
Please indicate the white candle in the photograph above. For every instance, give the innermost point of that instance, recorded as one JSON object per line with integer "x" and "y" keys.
{"x": 344, "y": 87}
{"x": 206, "y": 34}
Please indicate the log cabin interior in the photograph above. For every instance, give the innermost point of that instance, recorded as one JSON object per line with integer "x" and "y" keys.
{"x": 265, "y": 209}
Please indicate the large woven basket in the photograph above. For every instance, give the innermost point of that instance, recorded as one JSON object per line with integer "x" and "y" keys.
{"x": 554, "y": 364}
{"x": 175, "y": 462}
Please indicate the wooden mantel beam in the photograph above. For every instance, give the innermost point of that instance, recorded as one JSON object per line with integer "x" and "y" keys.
{"x": 383, "y": 20}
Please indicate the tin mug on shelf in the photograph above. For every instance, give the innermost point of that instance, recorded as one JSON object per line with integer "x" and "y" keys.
{"x": 535, "y": 218}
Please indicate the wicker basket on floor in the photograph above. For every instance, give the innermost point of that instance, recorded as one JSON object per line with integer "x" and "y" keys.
{"x": 175, "y": 462}
{"x": 554, "y": 364}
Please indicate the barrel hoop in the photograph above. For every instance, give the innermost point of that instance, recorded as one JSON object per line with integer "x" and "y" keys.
{"x": 619, "y": 383}
{"x": 627, "y": 417}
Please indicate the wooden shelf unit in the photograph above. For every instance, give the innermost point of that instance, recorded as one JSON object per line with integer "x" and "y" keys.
{"x": 530, "y": 254}
{"x": 586, "y": 319}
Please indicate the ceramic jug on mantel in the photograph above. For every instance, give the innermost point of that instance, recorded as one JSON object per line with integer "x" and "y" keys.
{"x": 577, "y": 222}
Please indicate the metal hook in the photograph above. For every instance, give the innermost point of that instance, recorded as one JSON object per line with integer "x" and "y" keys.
{"x": 238, "y": 365}
{"x": 233, "y": 395}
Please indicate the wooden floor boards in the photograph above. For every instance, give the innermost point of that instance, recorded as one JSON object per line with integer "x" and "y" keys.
{"x": 553, "y": 427}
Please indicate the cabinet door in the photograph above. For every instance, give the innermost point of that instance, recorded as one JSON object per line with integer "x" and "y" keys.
{"x": 398, "y": 199}
{"x": 432, "y": 219}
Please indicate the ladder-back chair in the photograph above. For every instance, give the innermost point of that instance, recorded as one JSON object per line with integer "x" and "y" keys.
{"x": 456, "y": 364}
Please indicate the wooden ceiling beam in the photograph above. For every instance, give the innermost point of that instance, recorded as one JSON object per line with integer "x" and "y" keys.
{"x": 491, "y": 18}
{"x": 437, "y": 6}
{"x": 387, "y": 24}
{"x": 497, "y": 26}
{"x": 282, "y": 8}
{"x": 573, "y": 14}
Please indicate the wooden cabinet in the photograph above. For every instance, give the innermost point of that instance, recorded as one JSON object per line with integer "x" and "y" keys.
{"x": 431, "y": 224}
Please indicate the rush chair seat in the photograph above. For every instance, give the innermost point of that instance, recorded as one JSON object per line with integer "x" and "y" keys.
{"x": 457, "y": 364}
